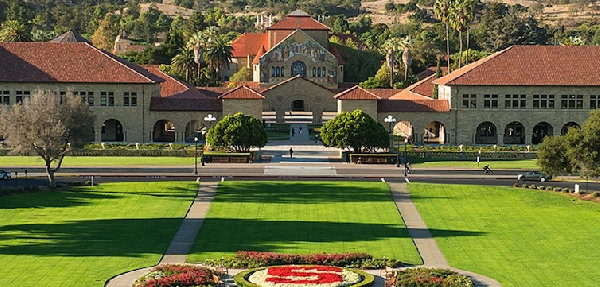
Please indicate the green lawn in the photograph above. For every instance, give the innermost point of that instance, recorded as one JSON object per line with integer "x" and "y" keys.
{"x": 304, "y": 218}
{"x": 519, "y": 237}
{"x": 85, "y": 236}
{"x": 494, "y": 164}
{"x": 69, "y": 161}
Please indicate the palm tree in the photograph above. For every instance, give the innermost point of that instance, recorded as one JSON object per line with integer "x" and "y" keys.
{"x": 219, "y": 53}
{"x": 184, "y": 62}
{"x": 15, "y": 31}
{"x": 442, "y": 13}
{"x": 458, "y": 22}
{"x": 406, "y": 44}
{"x": 470, "y": 7}
{"x": 199, "y": 42}
{"x": 391, "y": 46}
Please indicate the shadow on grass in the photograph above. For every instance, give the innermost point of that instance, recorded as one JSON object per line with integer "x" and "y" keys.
{"x": 231, "y": 235}
{"x": 110, "y": 237}
{"x": 53, "y": 198}
{"x": 301, "y": 192}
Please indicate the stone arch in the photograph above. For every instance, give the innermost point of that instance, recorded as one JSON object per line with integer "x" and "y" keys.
{"x": 568, "y": 125}
{"x": 192, "y": 129}
{"x": 112, "y": 131}
{"x": 164, "y": 131}
{"x": 435, "y": 132}
{"x": 514, "y": 133}
{"x": 540, "y": 131}
{"x": 298, "y": 68}
{"x": 486, "y": 133}
{"x": 404, "y": 129}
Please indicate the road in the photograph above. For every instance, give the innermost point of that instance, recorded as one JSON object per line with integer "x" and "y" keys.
{"x": 291, "y": 171}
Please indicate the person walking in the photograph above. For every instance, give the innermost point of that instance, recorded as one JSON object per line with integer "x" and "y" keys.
{"x": 291, "y": 153}
{"x": 293, "y": 132}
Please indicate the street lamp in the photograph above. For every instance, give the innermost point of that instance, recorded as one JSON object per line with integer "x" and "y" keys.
{"x": 210, "y": 118}
{"x": 196, "y": 155}
{"x": 405, "y": 157}
{"x": 390, "y": 119}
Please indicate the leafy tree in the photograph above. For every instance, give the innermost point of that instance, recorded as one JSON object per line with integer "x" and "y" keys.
{"x": 578, "y": 150}
{"x": 49, "y": 125}
{"x": 105, "y": 34}
{"x": 218, "y": 54}
{"x": 243, "y": 75}
{"x": 15, "y": 31}
{"x": 239, "y": 132}
{"x": 356, "y": 130}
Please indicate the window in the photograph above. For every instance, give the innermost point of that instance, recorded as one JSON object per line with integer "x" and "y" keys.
{"x": 5, "y": 98}
{"x": 272, "y": 72}
{"x": 490, "y": 101}
{"x": 594, "y": 101}
{"x": 90, "y": 98}
{"x": 125, "y": 99}
{"x": 282, "y": 73}
{"x": 111, "y": 99}
{"x": 314, "y": 72}
{"x": 319, "y": 72}
{"x": 324, "y": 74}
{"x": 571, "y": 102}
{"x": 277, "y": 72}
{"x": 103, "y": 99}
{"x": 515, "y": 101}
{"x": 543, "y": 101}
{"x": 21, "y": 95}
{"x": 134, "y": 99}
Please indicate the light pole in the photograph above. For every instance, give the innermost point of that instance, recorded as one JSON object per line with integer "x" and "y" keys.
{"x": 196, "y": 155}
{"x": 390, "y": 119}
{"x": 405, "y": 157}
{"x": 210, "y": 118}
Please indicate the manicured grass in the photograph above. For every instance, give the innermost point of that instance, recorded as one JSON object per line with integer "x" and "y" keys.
{"x": 304, "y": 218}
{"x": 519, "y": 237}
{"x": 70, "y": 161}
{"x": 278, "y": 136}
{"x": 494, "y": 164}
{"x": 85, "y": 236}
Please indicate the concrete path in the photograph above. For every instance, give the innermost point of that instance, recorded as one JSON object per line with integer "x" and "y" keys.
{"x": 430, "y": 253}
{"x": 185, "y": 236}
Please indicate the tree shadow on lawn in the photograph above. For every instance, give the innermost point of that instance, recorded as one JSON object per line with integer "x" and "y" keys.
{"x": 107, "y": 237}
{"x": 232, "y": 235}
{"x": 300, "y": 192}
{"x": 53, "y": 198}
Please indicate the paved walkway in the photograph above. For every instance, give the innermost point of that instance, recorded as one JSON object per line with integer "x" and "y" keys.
{"x": 185, "y": 236}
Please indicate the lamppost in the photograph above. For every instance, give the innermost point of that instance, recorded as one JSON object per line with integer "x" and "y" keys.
{"x": 210, "y": 118}
{"x": 390, "y": 119}
{"x": 196, "y": 155}
{"x": 405, "y": 157}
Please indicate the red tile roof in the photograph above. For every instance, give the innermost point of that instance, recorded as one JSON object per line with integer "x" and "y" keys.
{"x": 242, "y": 92}
{"x": 333, "y": 50}
{"x": 430, "y": 71}
{"x": 532, "y": 66}
{"x": 259, "y": 54}
{"x": 304, "y": 22}
{"x": 70, "y": 37}
{"x": 248, "y": 44}
{"x": 384, "y": 93}
{"x": 45, "y": 62}
{"x": 391, "y": 105}
{"x": 178, "y": 96}
{"x": 356, "y": 93}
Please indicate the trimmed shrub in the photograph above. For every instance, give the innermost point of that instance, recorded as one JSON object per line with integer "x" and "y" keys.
{"x": 533, "y": 186}
{"x": 524, "y": 185}
{"x": 176, "y": 276}
{"x": 251, "y": 259}
{"x": 558, "y": 189}
{"x": 595, "y": 194}
{"x": 541, "y": 187}
{"x": 432, "y": 277}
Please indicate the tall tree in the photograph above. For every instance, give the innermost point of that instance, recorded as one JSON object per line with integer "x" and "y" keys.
{"x": 15, "y": 31}
{"x": 407, "y": 58}
{"x": 184, "y": 63}
{"x": 48, "y": 125}
{"x": 199, "y": 42}
{"x": 356, "y": 130}
{"x": 218, "y": 54}
{"x": 441, "y": 9}
{"x": 240, "y": 132}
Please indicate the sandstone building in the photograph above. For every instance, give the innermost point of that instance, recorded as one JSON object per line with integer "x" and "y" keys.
{"x": 515, "y": 96}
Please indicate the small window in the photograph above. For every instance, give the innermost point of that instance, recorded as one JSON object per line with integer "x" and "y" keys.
{"x": 133, "y": 99}
{"x": 272, "y": 72}
{"x": 103, "y": 99}
{"x": 282, "y": 71}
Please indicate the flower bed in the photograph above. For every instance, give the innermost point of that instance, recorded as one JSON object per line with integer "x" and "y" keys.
{"x": 303, "y": 276}
{"x": 251, "y": 259}
{"x": 432, "y": 277}
{"x": 176, "y": 275}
